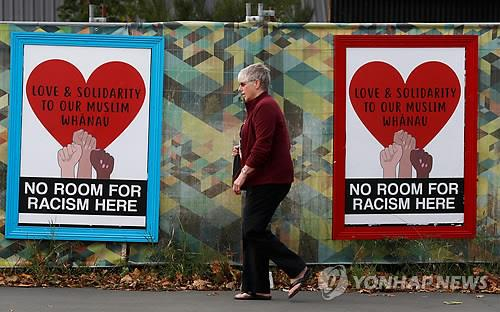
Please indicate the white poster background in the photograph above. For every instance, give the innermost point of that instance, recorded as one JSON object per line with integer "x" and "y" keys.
{"x": 130, "y": 148}
{"x": 447, "y": 147}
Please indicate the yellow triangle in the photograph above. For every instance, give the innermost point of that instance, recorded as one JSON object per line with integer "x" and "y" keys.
{"x": 315, "y": 226}
{"x": 5, "y": 33}
{"x": 315, "y": 104}
{"x": 4, "y": 101}
{"x": 229, "y": 200}
{"x": 167, "y": 204}
{"x": 211, "y": 68}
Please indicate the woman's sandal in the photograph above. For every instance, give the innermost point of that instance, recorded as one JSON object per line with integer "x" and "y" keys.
{"x": 297, "y": 285}
{"x": 247, "y": 296}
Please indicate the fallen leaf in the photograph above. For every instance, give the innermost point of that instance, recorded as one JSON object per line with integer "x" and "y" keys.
{"x": 27, "y": 276}
{"x": 166, "y": 283}
{"x": 200, "y": 284}
{"x": 126, "y": 279}
{"x": 12, "y": 279}
{"x": 136, "y": 274}
{"x": 476, "y": 271}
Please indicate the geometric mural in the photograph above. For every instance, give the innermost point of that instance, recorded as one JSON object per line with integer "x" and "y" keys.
{"x": 202, "y": 114}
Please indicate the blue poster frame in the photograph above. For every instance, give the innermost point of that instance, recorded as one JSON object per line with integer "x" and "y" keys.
{"x": 148, "y": 234}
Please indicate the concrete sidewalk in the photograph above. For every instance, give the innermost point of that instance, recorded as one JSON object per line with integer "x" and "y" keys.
{"x": 89, "y": 300}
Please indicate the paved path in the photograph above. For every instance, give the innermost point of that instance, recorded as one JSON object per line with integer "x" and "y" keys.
{"x": 89, "y": 300}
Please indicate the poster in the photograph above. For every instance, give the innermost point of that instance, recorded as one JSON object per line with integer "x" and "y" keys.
{"x": 405, "y": 123}
{"x": 84, "y": 137}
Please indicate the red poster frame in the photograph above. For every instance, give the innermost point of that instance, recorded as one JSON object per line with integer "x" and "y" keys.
{"x": 468, "y": 229}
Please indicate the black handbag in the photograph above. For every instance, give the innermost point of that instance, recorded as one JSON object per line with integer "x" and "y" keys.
{"x": 236, "y": 166}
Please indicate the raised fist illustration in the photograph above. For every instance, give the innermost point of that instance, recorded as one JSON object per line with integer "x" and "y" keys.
{"x": 389, "y": 158}
{"x": 422, "y": 162}
{"x": 88, "y": 144}
{"x": 67, "y": 158}
{"x": 408, "y": 144}
{"x": 103, "y": 163}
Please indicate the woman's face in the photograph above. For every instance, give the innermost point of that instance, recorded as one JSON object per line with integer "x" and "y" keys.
{"x": 249, "y": 89}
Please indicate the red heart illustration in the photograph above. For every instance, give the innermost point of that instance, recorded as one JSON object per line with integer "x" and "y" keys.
{"x": 103, "y": 106}
{"x": 421, "y": 106}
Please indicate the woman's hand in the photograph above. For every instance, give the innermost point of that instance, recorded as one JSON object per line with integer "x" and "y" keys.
{"x": 238, "y": 183}
{"x": 236, "y": 150}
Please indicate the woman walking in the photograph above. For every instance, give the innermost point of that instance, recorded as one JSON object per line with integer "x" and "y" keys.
{"x": 266, "y": 175}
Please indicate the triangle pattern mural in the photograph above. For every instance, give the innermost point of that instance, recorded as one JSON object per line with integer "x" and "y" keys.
{"x": 202, "y": 117}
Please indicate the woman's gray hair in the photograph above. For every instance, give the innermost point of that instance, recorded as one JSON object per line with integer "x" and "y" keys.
{"x": 254, "y": 72}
